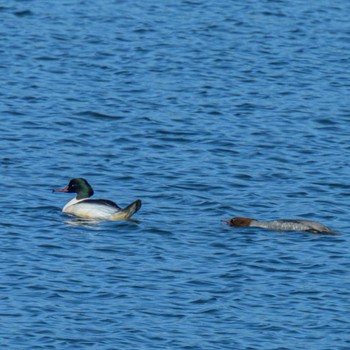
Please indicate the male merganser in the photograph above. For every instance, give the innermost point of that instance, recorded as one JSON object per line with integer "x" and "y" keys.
{"x": 287, "y": 225}
{"x": 99, "y": 209}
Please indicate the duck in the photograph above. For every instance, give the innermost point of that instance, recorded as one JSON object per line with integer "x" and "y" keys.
{"x": 98, "y": 209}
{"x": 283, "y": 224}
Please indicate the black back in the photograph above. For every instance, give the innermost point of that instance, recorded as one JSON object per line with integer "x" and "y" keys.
{"x": 102, "y": 202}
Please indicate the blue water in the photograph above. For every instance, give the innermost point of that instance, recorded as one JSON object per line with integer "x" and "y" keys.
{"x": 205, "y": 110}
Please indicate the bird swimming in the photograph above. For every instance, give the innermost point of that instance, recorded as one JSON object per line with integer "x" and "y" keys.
{"x": 99, "y": 209}
{"x": 283, "y": 224}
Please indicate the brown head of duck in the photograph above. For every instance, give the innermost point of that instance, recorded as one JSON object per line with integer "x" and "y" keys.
{"x": 239, "y": 222}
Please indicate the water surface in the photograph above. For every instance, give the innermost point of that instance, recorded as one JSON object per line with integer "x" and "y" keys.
{"x": 204, "y": 111}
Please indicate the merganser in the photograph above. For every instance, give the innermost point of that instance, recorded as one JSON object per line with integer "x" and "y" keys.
{"x": 284, "y": 224}
{"x": 99, "y": 209}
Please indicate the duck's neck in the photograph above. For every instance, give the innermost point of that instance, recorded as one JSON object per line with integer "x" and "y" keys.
{"x": 257, "y": 223}
{"x": 85, "y": 193}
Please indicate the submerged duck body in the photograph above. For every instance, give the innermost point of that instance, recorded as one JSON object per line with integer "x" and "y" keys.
{"x": 283, "y": 224}
{"x": 99, "y": 209}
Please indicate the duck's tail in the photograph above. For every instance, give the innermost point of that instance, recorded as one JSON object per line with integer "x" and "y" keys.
{"x": 329, "y": 232}
{"x": 128, "y": 211}
{"x": 323, "y": 230}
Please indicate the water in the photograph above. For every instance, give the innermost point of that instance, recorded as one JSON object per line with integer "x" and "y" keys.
{"x": 205, "y": 111}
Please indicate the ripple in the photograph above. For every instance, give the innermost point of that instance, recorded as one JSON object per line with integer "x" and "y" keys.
{"x": 98, "y": 115}
{"x": 23, "y": 13}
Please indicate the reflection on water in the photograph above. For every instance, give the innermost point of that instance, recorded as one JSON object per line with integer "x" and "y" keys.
{"x": 76, "y": 221}
{"x": 82, "y": 222}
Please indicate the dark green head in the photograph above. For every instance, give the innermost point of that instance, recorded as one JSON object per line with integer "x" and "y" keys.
{"x": 79, "y": 186}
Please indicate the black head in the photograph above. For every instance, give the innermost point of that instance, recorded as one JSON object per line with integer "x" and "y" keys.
{"x": 79, "y": 186}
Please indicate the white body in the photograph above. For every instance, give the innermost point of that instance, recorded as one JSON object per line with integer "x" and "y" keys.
{"x": 91, "y": 211}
